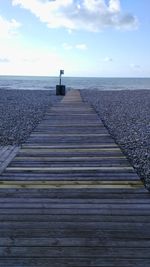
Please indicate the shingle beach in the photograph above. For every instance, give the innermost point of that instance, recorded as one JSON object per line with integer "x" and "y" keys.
{"x": 126, "y": 114}
{"x": 21, "y": 111}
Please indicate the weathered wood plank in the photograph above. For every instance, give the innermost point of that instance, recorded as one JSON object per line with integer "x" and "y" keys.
{"x": 7, "y": 153}
{"x": 36, "y": 199}
{"x": 77, "y": 211}
{"x": 71, "y": 242}
{"x": 71, "y": 184}
{"x": 75, "y": 218}
{"x": 79, "y": 193}
{"x": 74, "y": 262}
{"x": 43, "y": 135}
{"x": 92, "y": 158}
{"x": 70, "y": 252}
{"x": 49, "y": 169}
{"x": 73, "y": 163}
{"x": 86, "y": 176}
{"x": 72, "y": 232}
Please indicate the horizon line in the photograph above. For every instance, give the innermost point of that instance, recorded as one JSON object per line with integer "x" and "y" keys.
{"x": 56, "y": 76}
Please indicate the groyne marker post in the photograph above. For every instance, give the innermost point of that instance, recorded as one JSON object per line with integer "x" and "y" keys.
{"x": 60, "y": 89}
{"x": 61, "y": 72}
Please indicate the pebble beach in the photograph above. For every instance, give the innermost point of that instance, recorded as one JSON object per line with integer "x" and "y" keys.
{"x": 21, "y": 111}
{"x": 126, "y": 114}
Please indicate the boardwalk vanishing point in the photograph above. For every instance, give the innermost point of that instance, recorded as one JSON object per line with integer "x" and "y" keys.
{"x": 70, "y": 198}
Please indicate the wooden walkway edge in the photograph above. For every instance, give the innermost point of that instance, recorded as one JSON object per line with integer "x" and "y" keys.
{"x": 7, "y": 153}
{"x": 70, "y": 198}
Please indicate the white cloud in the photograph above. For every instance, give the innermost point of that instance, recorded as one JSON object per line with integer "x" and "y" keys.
{"x": 8, "y": 28}
{"x": 81, "y": 46}
{"x": 90, "y": 15}
{"x": 108, "y": 59}
{"x": 135, "y": 66}
{"x": 29, "y": 61}
{"x": 4, "y": 60}
{"x": 114, "y": 6}
{"x": 19, "y": 59}
{"x": 67, "y": 46}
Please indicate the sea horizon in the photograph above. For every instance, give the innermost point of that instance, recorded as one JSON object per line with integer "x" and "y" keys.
{"x": 70, "y": 76}
{"x": 49, "y": 82}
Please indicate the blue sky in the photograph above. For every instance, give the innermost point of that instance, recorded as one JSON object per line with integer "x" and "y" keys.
{"x": 104, "y": 38}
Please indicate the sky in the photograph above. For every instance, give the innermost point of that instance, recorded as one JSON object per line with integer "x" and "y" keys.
{"x": 86, "y": 38}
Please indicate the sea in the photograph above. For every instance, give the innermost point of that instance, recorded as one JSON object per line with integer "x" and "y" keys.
{"x": 49, "y": 83}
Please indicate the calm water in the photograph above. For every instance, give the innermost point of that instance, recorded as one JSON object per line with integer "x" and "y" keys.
{"x": 48, "y": 83}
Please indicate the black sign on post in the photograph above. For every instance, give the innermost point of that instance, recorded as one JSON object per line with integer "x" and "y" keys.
{"x": 60, "y": 89}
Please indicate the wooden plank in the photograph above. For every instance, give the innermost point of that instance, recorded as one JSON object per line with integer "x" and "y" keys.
{"x": 72, "y": 124}
{"x": 77, "y": 262}
{"x": 8, "y": 153}
{"x": 39, "y": 199}
{"x": 92, "y": 158}
{"x": 49, "y": 169}
{"x": 67, "y": 135}
{"x": 82, "y": 252}
{"x": 71, "y": 205}
{"x": 71, "y": 228}
{"x": 71, "y": 184}
{"x": 75, "y": 218}
{"x": 71, "y": 242}
{"x": 69, "y": 164}
{"x": 90, "y": 212}
{"x": 77, "y": 231}
{"x": 98, "y": 175}
{"x": 77, "y": 193}
{"x": 87, "y": 148}
{"x": 3, "y": 149}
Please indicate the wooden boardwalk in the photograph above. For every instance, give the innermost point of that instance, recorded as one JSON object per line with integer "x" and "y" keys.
{"x": 71, "y": 199}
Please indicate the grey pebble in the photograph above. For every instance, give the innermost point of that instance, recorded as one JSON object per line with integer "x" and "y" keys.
{"x": 126, "y": 114}
{"x": 21, "y": 111}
